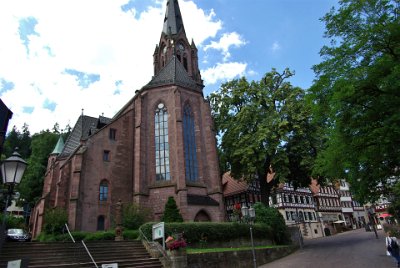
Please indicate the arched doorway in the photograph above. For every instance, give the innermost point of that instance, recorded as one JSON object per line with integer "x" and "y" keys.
{"x": 202, "y": 216}
{"x": 100, "y": 223}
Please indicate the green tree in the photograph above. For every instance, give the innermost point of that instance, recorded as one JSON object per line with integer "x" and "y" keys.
{"x": 264, "y": 126}
{"x": 133, "y": 216}
{"x": 356, "y": 96}
{"x": 31, "y": 186}
{"x": 17, "y": 140}
{"x": 171, "y": 212}
{"x": 55, "y": 220}
{"x": 394, "y": 207}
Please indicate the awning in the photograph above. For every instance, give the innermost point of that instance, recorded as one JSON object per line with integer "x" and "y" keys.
{"x": 385, "y": 215}
{"x": 339, "y": 222}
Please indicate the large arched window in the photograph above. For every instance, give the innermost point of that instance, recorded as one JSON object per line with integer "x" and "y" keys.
{"x": 103, "y": 193}
{"x": 161, "y": 143}
{"x": 191, "y": 170}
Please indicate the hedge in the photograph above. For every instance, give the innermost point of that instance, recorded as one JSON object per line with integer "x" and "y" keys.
{"x": 225, "y": 231}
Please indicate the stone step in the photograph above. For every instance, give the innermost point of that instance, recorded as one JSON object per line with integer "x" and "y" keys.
{"x": 68, "y": 254}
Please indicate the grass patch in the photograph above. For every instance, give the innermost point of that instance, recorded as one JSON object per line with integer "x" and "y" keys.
{"x": 208, "y": 250}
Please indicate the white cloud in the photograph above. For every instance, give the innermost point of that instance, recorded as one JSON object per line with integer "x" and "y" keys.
{"x": 226, "y": 41}
{"x": 224, "y": 71}
{"x": 91, "y": 36}
{"x": 275, "y": 46}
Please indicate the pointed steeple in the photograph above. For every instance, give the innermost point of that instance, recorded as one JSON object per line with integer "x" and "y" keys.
{"x": 59, "y": 146}
{"x": 173, "y": 46}
{"x": 173, "y": 23}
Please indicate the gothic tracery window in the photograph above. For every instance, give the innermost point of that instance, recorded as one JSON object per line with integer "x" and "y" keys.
{"x": 161, "y": 143}
{"x": 191, "y": 168}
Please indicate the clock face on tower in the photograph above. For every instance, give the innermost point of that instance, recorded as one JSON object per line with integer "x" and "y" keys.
{"x": 181, "y": 47}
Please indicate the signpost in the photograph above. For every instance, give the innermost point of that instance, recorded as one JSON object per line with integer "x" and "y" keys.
{"x": 158, "y": 232}
{"x": 110, "y": 265}
{"x": 14, "y": 264}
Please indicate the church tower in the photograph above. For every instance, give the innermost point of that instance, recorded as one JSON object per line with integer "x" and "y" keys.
{"x": 174, "y": 43}
{"x": 175, "y": 146}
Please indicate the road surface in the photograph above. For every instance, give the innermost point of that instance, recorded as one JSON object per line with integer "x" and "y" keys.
{"x": 352, "y": 249}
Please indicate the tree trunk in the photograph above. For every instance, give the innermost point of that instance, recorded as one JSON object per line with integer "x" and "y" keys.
{"x": 265, "y": 188}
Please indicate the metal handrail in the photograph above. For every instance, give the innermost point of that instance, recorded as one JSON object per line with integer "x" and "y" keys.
{"x": 90, "y": 255}
{"x": 162, "y": 251}
{"x": 84, "y": 245}
{"x": 70, "y": 235}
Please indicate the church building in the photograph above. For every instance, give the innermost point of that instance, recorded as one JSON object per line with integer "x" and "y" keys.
{"x": 161, "y": 143}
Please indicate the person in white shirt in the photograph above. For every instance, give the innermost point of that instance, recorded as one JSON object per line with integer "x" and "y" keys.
{"x": 390, "y": 250}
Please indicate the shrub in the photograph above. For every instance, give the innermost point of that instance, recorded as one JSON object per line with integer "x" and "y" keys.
{"x": 133, "y": 217}
{"x": 274, "y": 219}
{"x": 171, "y": 212}
{"x": 86, "y": 236}
{"x": 130, "y": 234}
{"x": 98, "y": 236}
{"x": 13, "y": 222}
{"x": 55, "y": 220}
{"x": 195, "y": 232}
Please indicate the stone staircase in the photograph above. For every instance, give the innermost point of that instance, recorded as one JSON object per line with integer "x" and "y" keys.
{"x": 68, "y": 254}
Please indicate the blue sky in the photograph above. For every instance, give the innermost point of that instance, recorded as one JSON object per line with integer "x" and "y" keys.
{"x": 59, "y": 57}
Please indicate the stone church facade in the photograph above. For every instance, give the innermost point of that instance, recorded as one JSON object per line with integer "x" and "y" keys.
{"x": 160, "y": 144}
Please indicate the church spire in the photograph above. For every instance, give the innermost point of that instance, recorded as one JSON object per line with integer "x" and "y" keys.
{"x": 174, "y": 46}
{"x": 173, "y": 23}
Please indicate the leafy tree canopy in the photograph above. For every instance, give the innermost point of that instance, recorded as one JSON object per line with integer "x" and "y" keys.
{"x": 356, "y": 96}
{"x": 263, "y": 125}
{"x": 34, "y": 149}
{"x": 394, "y": 207}
{"x": 31, "y": 186}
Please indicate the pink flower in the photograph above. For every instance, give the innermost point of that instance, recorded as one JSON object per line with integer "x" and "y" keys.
{"x": 176, "y": 244}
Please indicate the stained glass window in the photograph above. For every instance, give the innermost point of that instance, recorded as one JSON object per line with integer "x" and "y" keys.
{"x": 191, "y": 168}
{"x": 161, "y": 143}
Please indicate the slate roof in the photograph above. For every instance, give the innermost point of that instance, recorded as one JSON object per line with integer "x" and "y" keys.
{"x": 173, "y": 74}
{"x": 84, "y": 127}
{"x": 173, "y": 22}
{"x": 201, "y": 200}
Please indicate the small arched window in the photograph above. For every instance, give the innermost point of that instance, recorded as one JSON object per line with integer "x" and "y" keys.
{"x": 103, "y": 191}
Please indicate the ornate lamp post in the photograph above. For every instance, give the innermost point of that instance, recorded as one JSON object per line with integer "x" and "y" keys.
{"x": 12, "y": 170}
{"x": 249, "y": 215}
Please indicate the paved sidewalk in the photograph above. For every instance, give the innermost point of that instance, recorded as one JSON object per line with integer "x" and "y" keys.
{"x": 351, "y": 249}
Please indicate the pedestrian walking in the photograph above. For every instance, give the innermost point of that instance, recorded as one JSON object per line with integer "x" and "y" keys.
{"x": 392, "y": 247}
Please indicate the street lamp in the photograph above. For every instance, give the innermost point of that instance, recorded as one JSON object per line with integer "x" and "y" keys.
{"x": 249, "y": 214}
{"x": 12, "y": 170}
